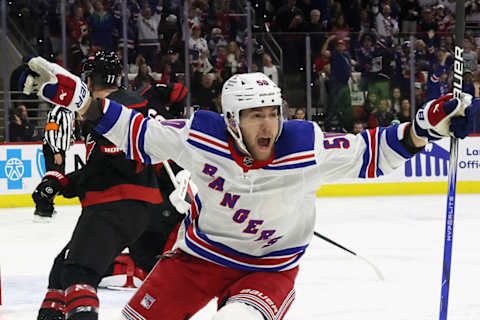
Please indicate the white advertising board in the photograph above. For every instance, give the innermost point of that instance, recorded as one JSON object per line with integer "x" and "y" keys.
{"x": 22, "y": 166}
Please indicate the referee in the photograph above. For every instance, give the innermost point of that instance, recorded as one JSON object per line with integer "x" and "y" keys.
{"x": 59, "y": 136}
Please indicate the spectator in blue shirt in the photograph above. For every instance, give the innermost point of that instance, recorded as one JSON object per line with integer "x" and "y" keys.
{"x": 339, "y": 114}
{"x": 102, "y": 24}
{"x": 437, "y": 84}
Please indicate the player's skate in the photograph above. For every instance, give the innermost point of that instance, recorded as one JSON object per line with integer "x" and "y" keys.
{"x": 50, "y": 314}
{"x": 124, "y": 276}
{"x": 52, "y": 306}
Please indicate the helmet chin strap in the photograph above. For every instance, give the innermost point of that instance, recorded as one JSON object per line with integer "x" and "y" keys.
{"x": 239, "y": 141}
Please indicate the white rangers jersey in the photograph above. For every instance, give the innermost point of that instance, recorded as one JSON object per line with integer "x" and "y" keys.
{"x": 250, "y": 215}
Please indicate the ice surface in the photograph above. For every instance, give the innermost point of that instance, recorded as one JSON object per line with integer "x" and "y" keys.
{"x": 402, "y": 236}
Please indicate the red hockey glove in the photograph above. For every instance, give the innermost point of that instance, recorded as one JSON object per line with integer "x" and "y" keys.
{"x": 446, "y": 116}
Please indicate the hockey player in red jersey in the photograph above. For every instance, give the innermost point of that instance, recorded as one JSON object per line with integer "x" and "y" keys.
{"x": 124, "y": 204}
{"x": 257, "y": 177}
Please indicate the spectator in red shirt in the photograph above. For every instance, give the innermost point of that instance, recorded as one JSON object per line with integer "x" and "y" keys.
{"x": 77, "y": 32}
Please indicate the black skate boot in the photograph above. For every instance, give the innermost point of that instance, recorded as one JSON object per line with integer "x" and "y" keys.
{"x": 50, "y": 314}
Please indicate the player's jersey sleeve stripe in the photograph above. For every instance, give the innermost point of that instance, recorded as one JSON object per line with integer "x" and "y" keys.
{"x": 294, "y": 158}
{"x": 393, "y": 136}
{"x": 373, "y": 151}
{"x": 112, "y": 112}
{"x": 366, "y": 154}
{"x": 141, "y": 142}
{"x": 133, "y": 134}
{"x": 209, "y": 141}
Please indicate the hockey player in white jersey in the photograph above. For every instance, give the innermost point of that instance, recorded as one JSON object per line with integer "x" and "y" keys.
{"x": 252, "y": 217}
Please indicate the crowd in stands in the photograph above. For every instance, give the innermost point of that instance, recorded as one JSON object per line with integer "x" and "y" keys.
{"x": 370, "y": 37}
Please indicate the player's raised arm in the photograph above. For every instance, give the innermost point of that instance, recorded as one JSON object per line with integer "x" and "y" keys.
{"x": 147, "y": 140}
{"x": 378, "y": 151}
{"x": 126, "y": 128}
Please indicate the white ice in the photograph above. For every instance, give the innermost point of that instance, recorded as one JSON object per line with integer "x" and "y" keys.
{"x": 402, "y": 236}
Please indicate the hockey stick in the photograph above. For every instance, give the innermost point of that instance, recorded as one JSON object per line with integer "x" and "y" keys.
{"x": 170, "y": 173}
{"x": 452, "y": 170}
{"x": 377, "y": 271}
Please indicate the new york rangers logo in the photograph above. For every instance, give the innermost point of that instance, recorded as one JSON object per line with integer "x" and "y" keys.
{"x": 147, "y": 301}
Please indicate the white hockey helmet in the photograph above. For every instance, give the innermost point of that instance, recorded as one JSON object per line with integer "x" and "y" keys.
{"x": 246, "y": 91}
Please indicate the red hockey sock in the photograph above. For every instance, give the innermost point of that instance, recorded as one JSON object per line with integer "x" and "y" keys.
{"x": 54, "y": 299}
{"x": 80, "y": 297}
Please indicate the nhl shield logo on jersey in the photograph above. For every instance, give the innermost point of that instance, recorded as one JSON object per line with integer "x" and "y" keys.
{"x": 247, "y": 161}
{"x": 147, "y": 301}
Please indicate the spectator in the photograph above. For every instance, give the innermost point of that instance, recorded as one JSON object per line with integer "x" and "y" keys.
{"x": 299, "y": 114}
{"x": 402, "y": 69}
{"x": 382, "y": 68}
{"x": 366, "y": 23}
{"x": 386, "y": 25}
{"x": 339, "y": 108}
{"x": 166, "y": 74}
{"x": 444, "y": 21}
{"x": 365, "y": 56}
{"x": 419, "y": 94}
{"x": 368, "y": 107}
{"x": 289, "y": 17}
{"x": 216, "y": 40}
{"x": 135, "y": 68}
{"x": 143, "y": 77}
{"x": 199, "y": 50}
{"x": 102, "y": 24}
{"x": 173, "y": 58}
{"x": 341, "y": 30}
{"x": 78, "y": 32}
{"x": 148, "y": 42}
{"x": 272, "y": 71}
{"x": 470, "y": 57}
{"x": 21, "y": 128}
{"x": 17, "y": 131}
{"x": 427, "y": 22}
{"x": 467, "y": 85}
{"x": 316, "y": 27}
{"x": 221, "y": 58}
{"x": 404, "y": 115}
{"x": 167, "y": 30}
{"x": 437, "y": 84}
{"x": 358, "y": 126}
{"x": 205, "y": 91}
{"x": 133, "y": 8}
{"x": 381, "y": 116}
{"x": 409, "y": 15}
{"x": 223, "y": 19}
{"x": 396, "y": 100}
{"x": 233, "y": 63}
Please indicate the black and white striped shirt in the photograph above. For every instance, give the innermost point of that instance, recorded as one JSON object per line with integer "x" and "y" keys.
{"x": 59, "y": 129}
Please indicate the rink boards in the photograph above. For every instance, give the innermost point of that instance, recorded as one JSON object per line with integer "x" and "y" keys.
{"x": 22, "y": 166}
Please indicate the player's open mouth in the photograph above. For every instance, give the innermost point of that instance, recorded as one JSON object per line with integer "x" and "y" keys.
{"x": 263, "y": 142}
